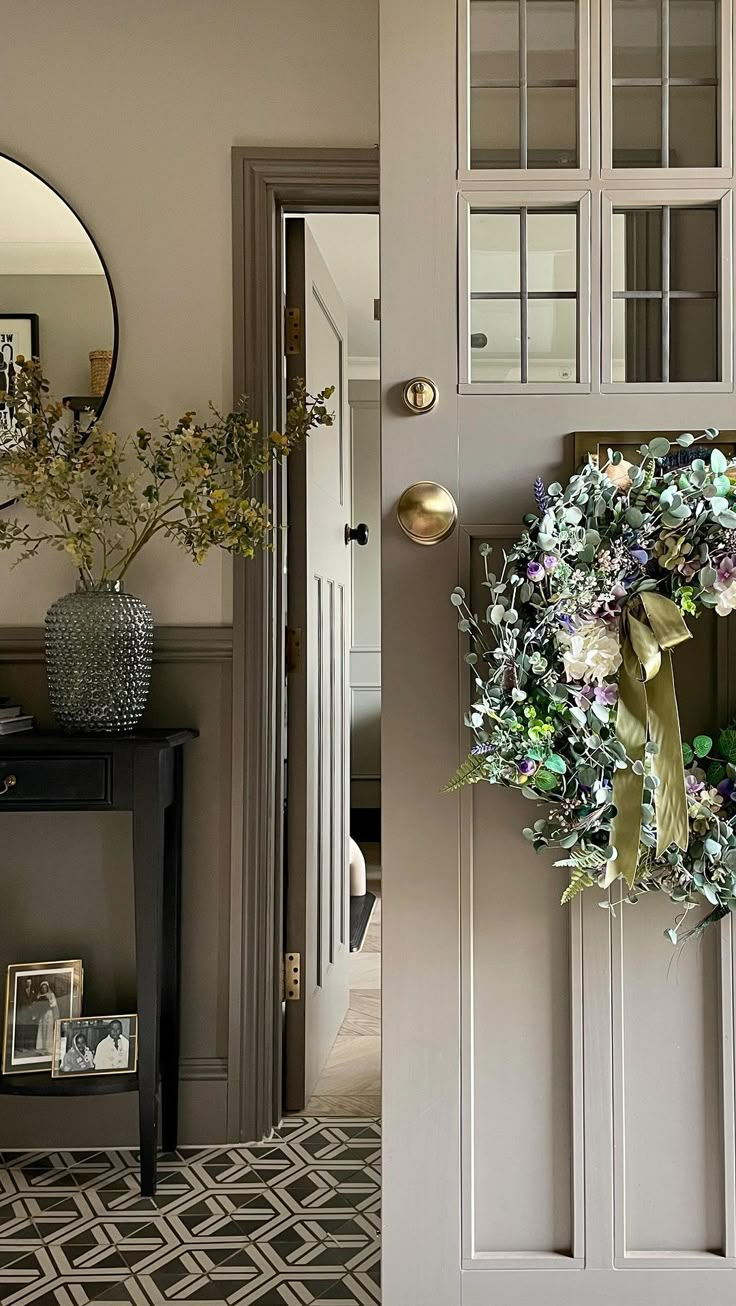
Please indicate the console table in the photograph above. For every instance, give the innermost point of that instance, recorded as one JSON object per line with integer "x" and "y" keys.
{"x": 141, "y": 773}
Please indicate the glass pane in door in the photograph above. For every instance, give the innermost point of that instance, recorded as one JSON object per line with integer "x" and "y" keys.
{"x": 637, "y": 38}
{"x": 552, "y": 240}
{"x": 693, "y": 126}
{"x": 495, "y": 340}
{"x": 523, "y": 94}
{"x": 637, "y": 126}
{"x": 665, "y": 91}
{"x": 693, "y": 38}
{"x": 552, "y": 340}
{"x": 494, "y": 118}
{"x": 694, "y": 340}
{"x": 552, "y": 44}
{"x": 552, "y": 127}
{"x": 694, "y": 250}
{"x": 494, "y": 41}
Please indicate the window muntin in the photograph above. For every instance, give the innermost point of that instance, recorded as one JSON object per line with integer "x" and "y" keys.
{"x": 666, "y": 309}
{"x": 666, "y": 85}
{"x": 524, "y": 84}
{"x": 524, "y": 286}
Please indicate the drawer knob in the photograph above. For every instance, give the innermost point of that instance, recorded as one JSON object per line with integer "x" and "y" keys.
{"x": 7, "y": 783}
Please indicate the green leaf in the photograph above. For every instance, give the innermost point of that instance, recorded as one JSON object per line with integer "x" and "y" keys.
{"x": 718, "y": 461}
{"x": 556, "y": 763}
{"x": 659, "y": 447}
{"x": 468, "y": 773}
{"x": 702, "y": 745}
{"x": 686, "y": 440}
{"x": 715, "y": 773}
{"x": 545, "y": 780}
{"x": 672, "y": 936}
{"x": 579, "y": 880}
{"x": 727, "y": 744}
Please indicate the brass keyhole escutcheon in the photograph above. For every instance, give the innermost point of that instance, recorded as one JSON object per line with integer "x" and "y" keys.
{"x": 420, "y": 394}
{"x": 427, "y": 512}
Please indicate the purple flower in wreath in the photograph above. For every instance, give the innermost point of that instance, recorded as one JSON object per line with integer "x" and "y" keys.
{"x": 641, "y": 556}
{"x": 606, "y": 695}
{"x": 727, "y": 570}
{"x": 693, "y": 784}
{"x": 480, "y": 750}
{"x": 566, "y": 622}
{"x": 550, "y": 562}
{"x": 727, "y": 788}
{"x": 527, "y": 766}
{"x": 535, "y": 571}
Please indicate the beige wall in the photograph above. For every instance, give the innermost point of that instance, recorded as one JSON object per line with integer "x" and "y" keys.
{"x": 131, "y": 111}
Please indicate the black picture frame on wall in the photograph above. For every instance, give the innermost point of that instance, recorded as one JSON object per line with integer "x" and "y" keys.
{"x": 19, "y": 335}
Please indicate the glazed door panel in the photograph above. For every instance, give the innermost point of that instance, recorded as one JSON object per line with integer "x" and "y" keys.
{"x": 558, "y": 1083}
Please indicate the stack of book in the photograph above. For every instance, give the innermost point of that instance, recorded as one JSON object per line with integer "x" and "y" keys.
{"x": 12, "y": 718}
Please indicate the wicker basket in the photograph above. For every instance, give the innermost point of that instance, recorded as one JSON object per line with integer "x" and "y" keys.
{"x": 100, "y": 362}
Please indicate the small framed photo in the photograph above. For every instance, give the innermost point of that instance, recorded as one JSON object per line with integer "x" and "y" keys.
{"x": 37, "y": 995}
{"x": 95, "y": 1045}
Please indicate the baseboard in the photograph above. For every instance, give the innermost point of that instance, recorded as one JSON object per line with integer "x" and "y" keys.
{"x": 365, "y": 824}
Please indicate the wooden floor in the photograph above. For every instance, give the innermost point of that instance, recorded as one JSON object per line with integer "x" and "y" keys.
{"x": 350, "y": 1084}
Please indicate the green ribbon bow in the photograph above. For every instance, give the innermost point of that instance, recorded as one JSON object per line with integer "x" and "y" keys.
{"x": 651, "y": 625}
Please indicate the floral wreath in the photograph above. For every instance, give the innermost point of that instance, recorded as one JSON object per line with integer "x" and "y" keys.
{"x": 574, "y": 699}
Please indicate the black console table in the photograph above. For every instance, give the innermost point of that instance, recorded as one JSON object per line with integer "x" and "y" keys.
{"x": 141, "y": 773}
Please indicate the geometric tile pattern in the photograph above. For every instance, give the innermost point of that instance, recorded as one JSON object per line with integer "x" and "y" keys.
{"x": 293, "y": 1221}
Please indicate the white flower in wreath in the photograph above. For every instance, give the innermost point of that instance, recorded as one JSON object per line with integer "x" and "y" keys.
{"x": 591, "y": 652}
{"x": 726, "y": 598}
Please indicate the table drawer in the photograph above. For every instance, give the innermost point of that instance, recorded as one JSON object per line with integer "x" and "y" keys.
{"x": 50, "y": 780}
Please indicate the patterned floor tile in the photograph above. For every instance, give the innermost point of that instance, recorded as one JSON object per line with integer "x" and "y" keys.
{"x": 289, "y": 1222}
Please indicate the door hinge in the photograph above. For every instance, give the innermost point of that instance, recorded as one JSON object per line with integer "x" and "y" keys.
{"x": 293, "y": 331}
{"x": 292, "y": 976}
{"x": 293, "y": 649}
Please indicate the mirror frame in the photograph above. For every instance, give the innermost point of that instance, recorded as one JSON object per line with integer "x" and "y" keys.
{"x": 111, "y": 289}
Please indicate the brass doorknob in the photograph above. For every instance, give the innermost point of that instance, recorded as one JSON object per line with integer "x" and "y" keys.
{"x": 427, "y": 512}
{"x": 420, "y": 394}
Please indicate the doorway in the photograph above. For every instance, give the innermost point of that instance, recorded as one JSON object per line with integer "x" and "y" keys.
{"x": 269, "y": 184}
{"x": 332, "y": 899}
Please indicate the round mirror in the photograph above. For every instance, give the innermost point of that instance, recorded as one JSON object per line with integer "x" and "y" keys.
{"x": 56, "y": 299}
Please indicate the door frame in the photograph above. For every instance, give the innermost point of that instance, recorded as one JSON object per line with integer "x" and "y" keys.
{"x": 266, "y": 184}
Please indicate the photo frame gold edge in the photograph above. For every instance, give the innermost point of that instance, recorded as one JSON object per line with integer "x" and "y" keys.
{"x": 93, "y": 1074}
{"x": 35, "y": 965}
{"x": 591, "y": 442}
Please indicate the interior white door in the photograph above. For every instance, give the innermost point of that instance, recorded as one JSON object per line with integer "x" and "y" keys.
{"x": 558, "y": 1105}
{"x": 317, "y": 887}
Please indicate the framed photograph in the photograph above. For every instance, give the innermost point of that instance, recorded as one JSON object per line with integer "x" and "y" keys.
{"x": 18, "y": 335}
{"x": 37, "y": 995}
{"x": 95, "y": 1045}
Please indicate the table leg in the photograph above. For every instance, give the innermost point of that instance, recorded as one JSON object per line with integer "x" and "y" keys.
{"x": 170, "y": 977}
{"x": 148, "y": 874}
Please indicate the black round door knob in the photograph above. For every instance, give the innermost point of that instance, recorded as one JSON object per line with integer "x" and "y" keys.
{"x": 358, "y": 533}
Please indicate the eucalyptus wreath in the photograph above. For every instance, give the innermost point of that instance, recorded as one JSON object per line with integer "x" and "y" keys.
{"x": 573, "y": 697}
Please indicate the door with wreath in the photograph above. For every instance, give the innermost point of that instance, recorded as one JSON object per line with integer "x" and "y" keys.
{"x": 557, "y": 185}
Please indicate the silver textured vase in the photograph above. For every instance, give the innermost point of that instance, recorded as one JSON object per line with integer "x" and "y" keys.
{"x": 99, "y": 649}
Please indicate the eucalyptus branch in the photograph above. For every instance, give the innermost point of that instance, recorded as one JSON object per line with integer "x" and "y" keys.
{"x": 103, "y": 497}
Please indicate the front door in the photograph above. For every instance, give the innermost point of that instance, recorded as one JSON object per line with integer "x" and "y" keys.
{"x": 556, "y": 253}
{"x": 317, "y": 885}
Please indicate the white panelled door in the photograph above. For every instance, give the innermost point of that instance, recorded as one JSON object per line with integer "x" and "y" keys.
{"x": 556, "y": 247}
{"x": 317, "y": 884}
